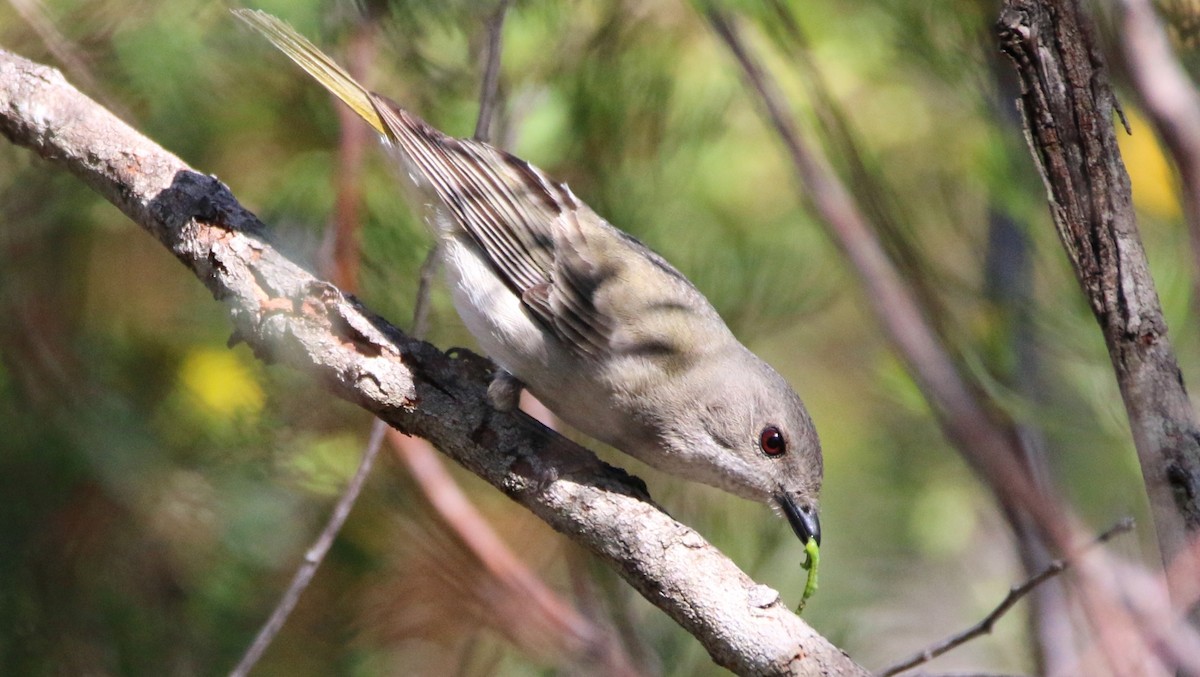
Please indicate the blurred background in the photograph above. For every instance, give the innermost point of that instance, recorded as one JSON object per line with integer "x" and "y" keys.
{"x": 158, "y": 489}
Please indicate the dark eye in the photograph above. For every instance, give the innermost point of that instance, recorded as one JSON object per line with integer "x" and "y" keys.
{"x": 771, "y": 442}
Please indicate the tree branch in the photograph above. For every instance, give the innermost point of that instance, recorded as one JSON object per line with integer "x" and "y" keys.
{"x": 965, "y": 418}
{"x": 1170, "y": 99}
{"x": 342, "y": 236}
{"x": 312, "y": 558}
{"x": 1067, "y": 107}
{"x": 533, "y": 609}
{"x": 286, "y": 315}
{"x": 490, "y": 85}
{"x": 1015, "y": 594}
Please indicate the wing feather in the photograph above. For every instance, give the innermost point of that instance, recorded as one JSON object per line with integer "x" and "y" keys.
{"x": 527, "y": 226}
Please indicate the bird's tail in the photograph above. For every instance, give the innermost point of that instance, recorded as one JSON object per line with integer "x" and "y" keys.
{"x": 322, "y": 68}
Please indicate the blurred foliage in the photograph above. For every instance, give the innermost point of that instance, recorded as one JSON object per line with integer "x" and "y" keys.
{"x": 159, "y": 488}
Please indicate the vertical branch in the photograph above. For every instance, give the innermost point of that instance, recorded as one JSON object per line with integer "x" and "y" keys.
{"x": 963, "y": 417}
{"x": 1007, "y": 286}
{"x": 1049, "y": 616}
{"x": 490, "y": 84}
{"x": 1169, "y": 98}
{"x": 871, "y": 195}
{"x": 1067, "y": 106}
{"x": 352, "y": 146}
{"x": 420, "y": 321}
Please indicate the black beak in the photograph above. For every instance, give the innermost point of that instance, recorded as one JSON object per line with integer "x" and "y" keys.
{"x": 803, "y": 519}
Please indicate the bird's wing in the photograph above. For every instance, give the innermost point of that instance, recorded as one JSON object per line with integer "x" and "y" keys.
{"x": 552, "y": 250}
{"x": 527, "y": 226}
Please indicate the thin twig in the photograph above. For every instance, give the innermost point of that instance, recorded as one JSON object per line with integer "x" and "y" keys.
{"x": 314, "y": 556}
{"x": 420, "y": 321}
{"x": 67, "y": 53}
{"x": 561, "y": 624}
{"x": 344, "y": 263}
{"x": 491, "y": 72}
{"x": 873, "y": 194}
{"x": 1014, "y": 595}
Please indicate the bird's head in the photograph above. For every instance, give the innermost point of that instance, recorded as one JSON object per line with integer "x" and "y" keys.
{"x": 755, "y": 439}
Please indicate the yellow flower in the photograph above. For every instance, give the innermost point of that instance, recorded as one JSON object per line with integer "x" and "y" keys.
{"x": 220, "y": 383}
{"x": 1155, "y": 191}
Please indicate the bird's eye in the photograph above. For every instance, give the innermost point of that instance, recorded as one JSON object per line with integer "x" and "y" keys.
{"x": 771, "y": 442}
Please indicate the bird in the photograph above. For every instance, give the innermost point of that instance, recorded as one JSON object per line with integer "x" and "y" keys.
{"x": 600, "y": 328}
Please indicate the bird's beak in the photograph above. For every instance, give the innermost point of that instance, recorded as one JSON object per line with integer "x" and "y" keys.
{"x": 803, "y": 519}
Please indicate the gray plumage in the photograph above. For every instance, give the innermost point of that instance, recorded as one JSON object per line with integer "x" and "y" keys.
{"x": 601, "y": 329}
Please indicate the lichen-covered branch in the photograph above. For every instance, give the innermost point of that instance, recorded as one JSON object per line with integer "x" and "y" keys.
{"x": 286, "y": 315}
{"x": 1067, "y": 106}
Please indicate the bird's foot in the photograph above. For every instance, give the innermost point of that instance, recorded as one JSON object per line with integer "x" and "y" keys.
{"x": 504, "y": 392}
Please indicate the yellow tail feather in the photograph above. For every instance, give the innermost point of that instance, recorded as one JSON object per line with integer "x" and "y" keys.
{"x": 324, "y": 69}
